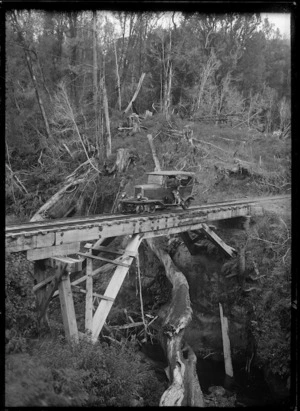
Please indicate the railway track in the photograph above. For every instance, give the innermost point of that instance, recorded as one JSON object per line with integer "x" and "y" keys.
{"x": 81, "y": 222}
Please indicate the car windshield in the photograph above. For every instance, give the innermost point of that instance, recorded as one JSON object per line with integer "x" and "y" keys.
{"x": 155, "y": 179}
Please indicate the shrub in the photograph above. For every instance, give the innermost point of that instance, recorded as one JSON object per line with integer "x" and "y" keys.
{"x": 19, "y": 299}
{"x": 98, "y": 375}
{"x": 271, "y": 323}
{"x": 28, "y": 383}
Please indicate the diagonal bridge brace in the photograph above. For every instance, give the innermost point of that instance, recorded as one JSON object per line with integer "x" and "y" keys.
{"x": 113, "y": 288}
{"x": 190, "y": 243}
{"x": 64, "y": 266}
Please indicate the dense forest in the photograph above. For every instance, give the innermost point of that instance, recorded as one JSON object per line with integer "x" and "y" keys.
{"x": 69, "y": 74}
{"x": 84, "y": 89}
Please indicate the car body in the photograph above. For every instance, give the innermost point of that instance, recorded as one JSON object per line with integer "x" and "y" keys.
{"x": 163, "y": 189}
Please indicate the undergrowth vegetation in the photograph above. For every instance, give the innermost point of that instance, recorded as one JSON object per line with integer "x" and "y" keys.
{"x": 20, "y": 314}
{"x": 270, "y": 243}
{"x": 259, "y": 284}
{"x": 60, "y": 374}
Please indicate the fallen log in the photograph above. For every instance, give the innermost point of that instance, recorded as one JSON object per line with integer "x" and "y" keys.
{"x": 60, "y": 204}
{"x": 184, "y": 389}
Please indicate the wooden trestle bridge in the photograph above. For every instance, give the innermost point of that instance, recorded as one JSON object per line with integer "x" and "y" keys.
{"x": 53, "y": 241}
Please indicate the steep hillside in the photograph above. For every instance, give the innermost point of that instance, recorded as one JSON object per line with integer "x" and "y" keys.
{"x": 229, "y": 163}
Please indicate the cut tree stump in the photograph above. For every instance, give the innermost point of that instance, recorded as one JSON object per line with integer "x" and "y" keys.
{"x": 123, "y": 160}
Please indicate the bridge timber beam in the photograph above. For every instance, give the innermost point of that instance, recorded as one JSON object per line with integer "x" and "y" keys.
{"x": 49, "y": 239}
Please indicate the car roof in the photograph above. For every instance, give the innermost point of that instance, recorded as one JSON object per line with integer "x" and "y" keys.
{"x": 171, "y": 173}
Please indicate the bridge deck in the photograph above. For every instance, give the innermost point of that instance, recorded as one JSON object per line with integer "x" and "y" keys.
{"x": 60, "y": 236}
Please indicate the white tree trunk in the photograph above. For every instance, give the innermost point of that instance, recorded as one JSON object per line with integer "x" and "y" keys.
{"x": 107, "y": 122}
{"x": 118, "y": 78}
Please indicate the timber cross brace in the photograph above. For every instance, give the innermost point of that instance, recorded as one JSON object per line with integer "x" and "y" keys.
{"x": 52, "y": 241}
{"x": 64, "y": 267}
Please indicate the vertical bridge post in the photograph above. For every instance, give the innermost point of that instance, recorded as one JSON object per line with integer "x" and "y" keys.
{"x": 67, "y": 307}
{"x": 89, "y": 295}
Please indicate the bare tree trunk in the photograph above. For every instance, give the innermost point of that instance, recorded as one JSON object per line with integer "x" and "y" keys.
{"x": 33, "y": 78}
{"x": 95, "y": 82}
{"x": 73, "y": 58}
{"x": 167, "y": 81}
{"x": 118, "y": 78}
{"x": 95, "y": 65}
{"x": 136, "y": 92}
{"x": 154, "y": 155}
{"x": 168, "y": 96}
{"x": 107, "y": 122}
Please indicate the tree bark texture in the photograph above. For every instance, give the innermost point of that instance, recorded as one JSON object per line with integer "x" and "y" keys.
{"x": 184, "y": 389}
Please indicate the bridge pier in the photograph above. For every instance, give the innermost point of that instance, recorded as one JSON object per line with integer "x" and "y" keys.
{"x": 65, "y": 266}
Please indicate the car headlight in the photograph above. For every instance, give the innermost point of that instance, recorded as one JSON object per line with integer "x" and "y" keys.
{"x": 123, "y": 195}
{"x": 139, "y": 196}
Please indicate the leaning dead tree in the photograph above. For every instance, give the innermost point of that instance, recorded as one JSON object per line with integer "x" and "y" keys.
{"x": 154, "y": 155}
{"x": 136, "y": 93}
{"x": 184, "y": 389}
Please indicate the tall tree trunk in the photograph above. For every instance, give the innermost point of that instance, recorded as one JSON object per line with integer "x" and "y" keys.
{"x": 168, "y": 98}
{"x": 33, "y": 78}
{"x": 118, "y": 78}
{"x": 95, "y": 79}
{"x": 73, "y": 57}
{"x": 167, "y": 81}
{"x": 107, "y": 140}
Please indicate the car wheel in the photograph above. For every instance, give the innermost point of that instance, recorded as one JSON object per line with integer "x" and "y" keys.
{"x": 187, "y": 204}
{"x": 152, "y": 208}
{"x": 139, "y": 209}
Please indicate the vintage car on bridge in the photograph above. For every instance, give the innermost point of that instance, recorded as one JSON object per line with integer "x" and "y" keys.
{"x": 165, "y": 189}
